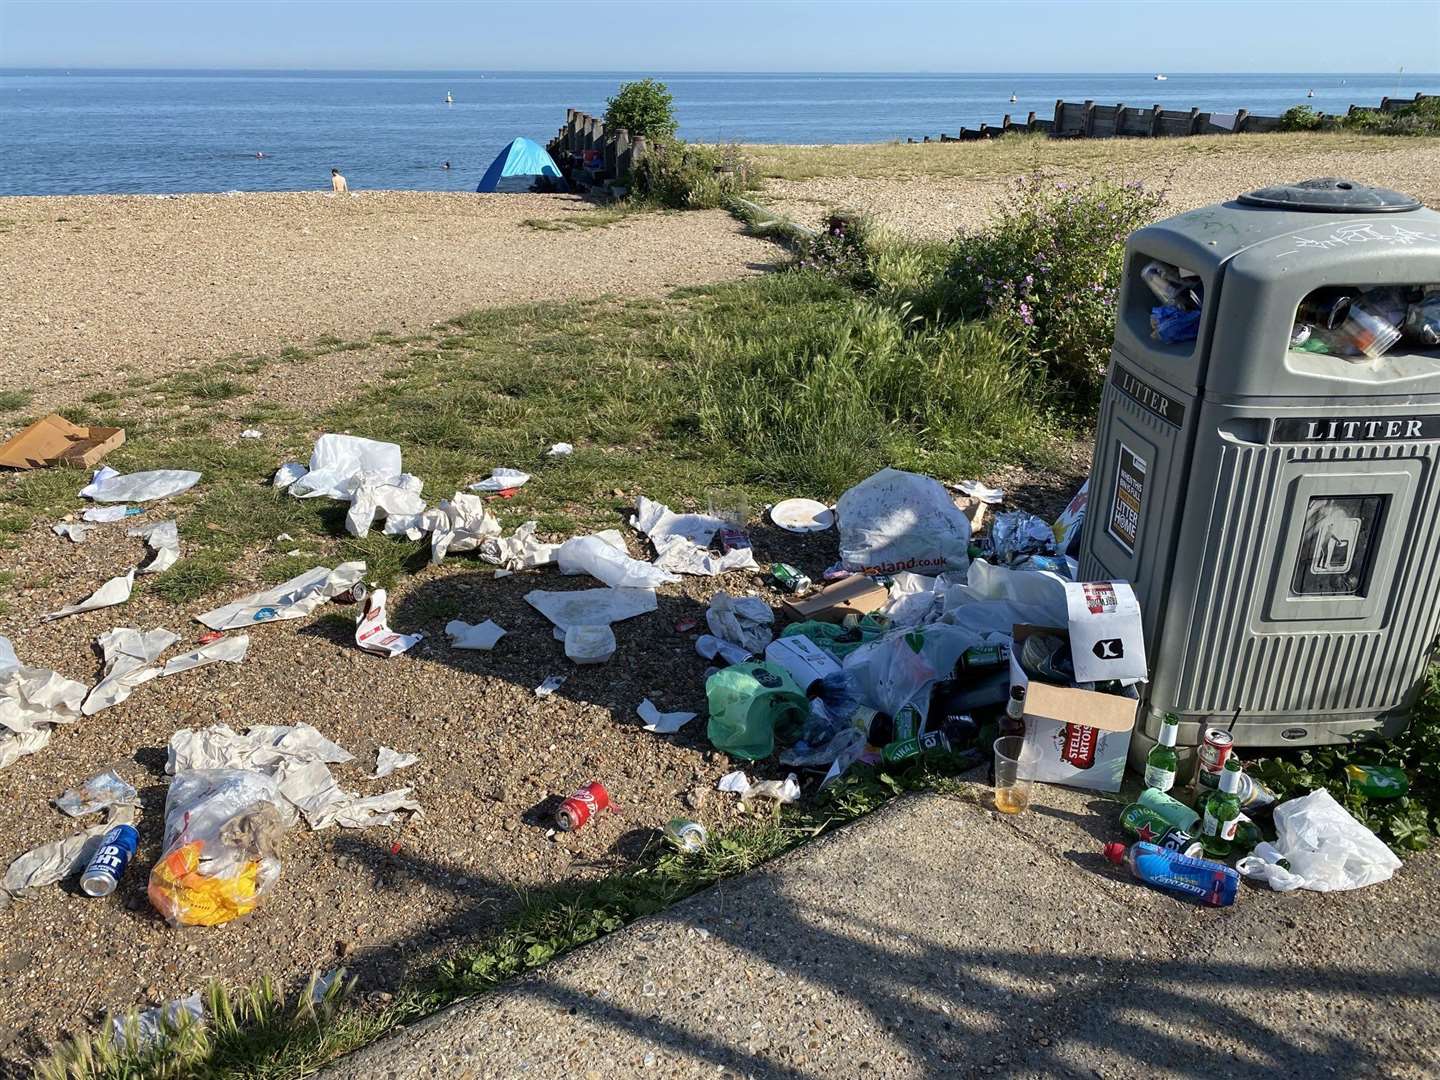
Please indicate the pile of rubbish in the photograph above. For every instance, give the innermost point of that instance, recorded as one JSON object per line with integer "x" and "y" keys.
{"x": 1183, "y": 840}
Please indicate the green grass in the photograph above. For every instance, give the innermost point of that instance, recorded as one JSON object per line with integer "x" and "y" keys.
{"x": 1002, "y": 159}
{"x": 260, "y": 1035}
{"x": 14, "y": 400}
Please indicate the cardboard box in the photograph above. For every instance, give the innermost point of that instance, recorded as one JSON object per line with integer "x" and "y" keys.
{"x": 56, "y": 441}
{"x": 857, "y": 594}
{"x": 1107, "y": 640}
{"x": 1079, "y": 738}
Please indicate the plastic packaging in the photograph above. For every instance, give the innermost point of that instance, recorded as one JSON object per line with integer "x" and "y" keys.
{"x": 592, "y": 555}
{"x": 1377, "y": 781}
{"x": 109, "y": 486}
{"x": 1367, "y": 331}
{"x": 751, "y": 705}
{"x": 896, "y": 520}
{"x": 1327, "y": 850}
{"x": 222, "y": 831}
{"x": 1016, "y": 534}
{"x": 1174, "y": 325}
{"x": 741, "y": 620}
{"x": 589, "y": 644}
{"x": 1212, "y": 883}
{"x": 1170, "y": 287}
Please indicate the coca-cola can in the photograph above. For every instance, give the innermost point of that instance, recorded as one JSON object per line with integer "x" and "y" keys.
{"x": 1213, "y": 753}
{"x": 579, "y": 808}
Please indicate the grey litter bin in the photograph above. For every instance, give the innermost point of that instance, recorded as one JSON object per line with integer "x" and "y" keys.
{"x": 1278, "y": 511}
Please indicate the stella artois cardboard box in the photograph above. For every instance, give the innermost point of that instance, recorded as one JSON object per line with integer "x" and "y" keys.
{"x": 1079, "y": 738}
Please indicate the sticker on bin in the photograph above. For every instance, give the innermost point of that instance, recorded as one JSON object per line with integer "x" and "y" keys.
{"x": 1106, "y": 640}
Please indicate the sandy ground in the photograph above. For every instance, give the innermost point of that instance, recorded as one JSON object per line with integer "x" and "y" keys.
{"x": 96, "y": 284}
{"x": 936, "y": 207}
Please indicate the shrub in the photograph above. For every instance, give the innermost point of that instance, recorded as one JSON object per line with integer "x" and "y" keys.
{"x": 642, "y": 108}
{"x": 840, "y": 250}
{"x": 1301, "y": 118}
{"x": 688, "y": 177}
{"x": 1049, "y": 270}
{"x": 1417, "y": 118}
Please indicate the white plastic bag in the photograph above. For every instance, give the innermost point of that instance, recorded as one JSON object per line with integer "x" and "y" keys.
{"x": 163, "y": 540}
{"x": 1327, "y": 849}
{"x": 745, "y": 621}
{"x": 108, "y": 486}
{"x": 896, "y": 521}
{"x": 339, "y": 461}
{"x": 592, "y": 555}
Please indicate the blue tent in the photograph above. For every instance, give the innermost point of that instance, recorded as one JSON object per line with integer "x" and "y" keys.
{"x": 518, "y": 168}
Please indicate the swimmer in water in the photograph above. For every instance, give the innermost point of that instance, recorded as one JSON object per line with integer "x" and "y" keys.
{"x": 446, "y": 165}
{"x": 259, "y": 153}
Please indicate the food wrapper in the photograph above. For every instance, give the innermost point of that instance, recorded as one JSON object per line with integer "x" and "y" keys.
{"x": 222, "y": 831}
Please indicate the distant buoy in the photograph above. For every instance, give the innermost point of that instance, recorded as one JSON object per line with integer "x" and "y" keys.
{"x": 449, "y": 100}
{"x": 1013, "y": 99}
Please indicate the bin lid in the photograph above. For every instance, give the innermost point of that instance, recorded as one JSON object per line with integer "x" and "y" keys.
{"x": 1331, "y": 195}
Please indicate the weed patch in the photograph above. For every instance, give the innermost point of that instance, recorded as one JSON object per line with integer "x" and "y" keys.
{"x": 13, "y": 400}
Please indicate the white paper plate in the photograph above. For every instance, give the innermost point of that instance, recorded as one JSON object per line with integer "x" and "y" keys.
{"x": 802, "y": 515}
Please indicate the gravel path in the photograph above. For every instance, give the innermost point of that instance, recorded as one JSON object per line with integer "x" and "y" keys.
{"x": 99, "y": 284}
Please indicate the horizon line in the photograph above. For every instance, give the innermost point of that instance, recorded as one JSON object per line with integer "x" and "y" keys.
{"x": 23, "y": 69}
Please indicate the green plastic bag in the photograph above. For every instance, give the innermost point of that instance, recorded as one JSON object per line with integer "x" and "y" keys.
{"x": 751, "y": 705}
{"x": 836, "y": 640}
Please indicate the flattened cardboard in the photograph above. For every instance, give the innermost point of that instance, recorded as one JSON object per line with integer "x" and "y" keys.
{"x": 1079, "y": 738}
{"x": 857, "y": 595}
{"x": 54, "y": 440}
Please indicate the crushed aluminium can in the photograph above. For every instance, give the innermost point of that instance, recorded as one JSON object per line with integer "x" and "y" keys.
{"x": 579, "y": 808}
{"x": 687, "y": 835}
{"x": 789, "y": 578}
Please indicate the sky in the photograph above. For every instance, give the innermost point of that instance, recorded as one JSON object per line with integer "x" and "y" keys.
{"x": 1330, "y": 36}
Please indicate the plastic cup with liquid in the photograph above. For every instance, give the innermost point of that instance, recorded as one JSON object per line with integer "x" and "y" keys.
{"x": 1012, "y": 794}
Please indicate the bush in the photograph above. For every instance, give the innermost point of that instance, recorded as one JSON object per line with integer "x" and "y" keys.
{"x": 686, "y": 177}
{"x": 1301, "y": 118}
{"x": 1049, "y": 271}
{"x": 642, "y": 108}
{"x": 1418, "y": 118}
{"x": 840, "y": 250}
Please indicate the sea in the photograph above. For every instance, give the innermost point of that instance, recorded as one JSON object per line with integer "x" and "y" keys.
{"x": 153, "y": 132}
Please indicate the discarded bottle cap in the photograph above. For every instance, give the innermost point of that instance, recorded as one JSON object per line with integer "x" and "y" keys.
{"x": 1115, "y": 852}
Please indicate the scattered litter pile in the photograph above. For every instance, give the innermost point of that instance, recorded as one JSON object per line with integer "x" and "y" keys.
{"x": 945, "y": 627}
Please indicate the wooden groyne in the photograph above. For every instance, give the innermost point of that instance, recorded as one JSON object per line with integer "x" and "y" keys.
{"x": 593, "y": 157}
{"x": 1087, "y": 120}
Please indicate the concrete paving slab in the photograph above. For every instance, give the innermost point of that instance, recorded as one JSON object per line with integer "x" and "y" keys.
{"x": 935, "y": 938}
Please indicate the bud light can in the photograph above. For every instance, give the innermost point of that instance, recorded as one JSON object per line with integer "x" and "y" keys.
{"x": 687, "y": 835}
{"x": 107, "y": 866}
{"x": 579, "y": 808}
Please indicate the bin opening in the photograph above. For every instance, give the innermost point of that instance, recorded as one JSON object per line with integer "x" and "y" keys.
{"x": 1171, "y": 304}
{"x": 1362, "y": 324}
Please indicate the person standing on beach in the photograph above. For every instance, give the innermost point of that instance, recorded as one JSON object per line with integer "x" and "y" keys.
{"x": 337, "y": 182}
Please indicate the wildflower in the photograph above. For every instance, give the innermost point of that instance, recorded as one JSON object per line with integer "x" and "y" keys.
{"x": 1026, "y": 316}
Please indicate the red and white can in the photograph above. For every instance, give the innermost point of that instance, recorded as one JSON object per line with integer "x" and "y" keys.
{"x": 579, "y": 808}
{"x": 1212, "y": 754}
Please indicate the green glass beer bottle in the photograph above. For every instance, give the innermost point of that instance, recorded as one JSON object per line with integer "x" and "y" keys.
{"x": 1222, "y": 813}
{"x": 1162, "y": 762}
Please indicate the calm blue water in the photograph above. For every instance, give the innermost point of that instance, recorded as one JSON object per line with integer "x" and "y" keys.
{"x": 117, "y": 131}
